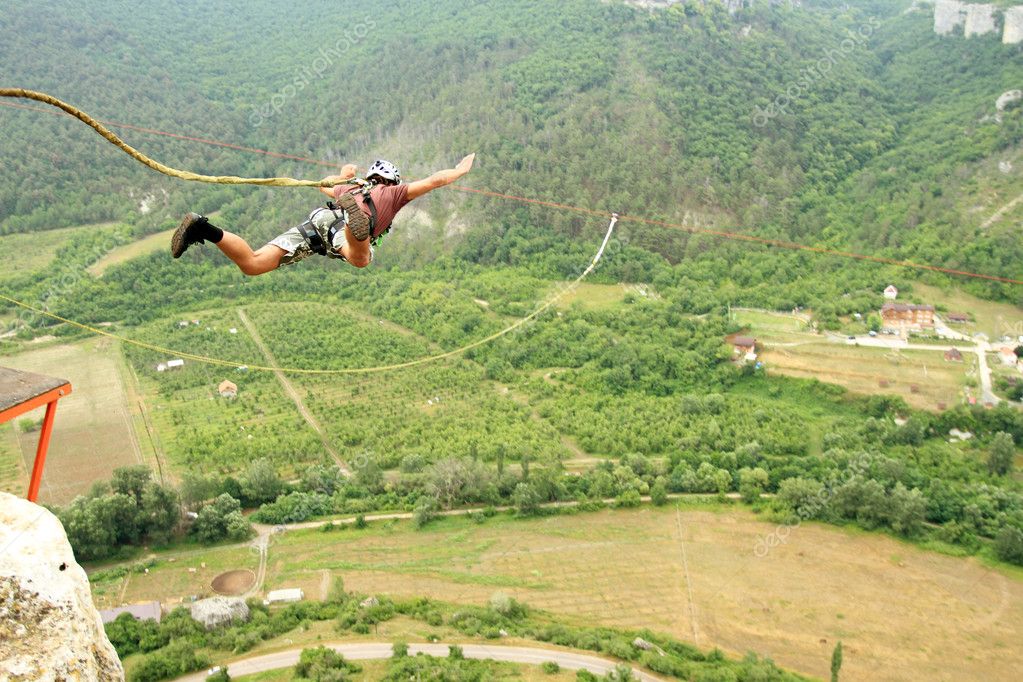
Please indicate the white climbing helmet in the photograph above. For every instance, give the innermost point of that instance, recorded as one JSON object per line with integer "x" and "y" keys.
{"x": 384, "y": 169}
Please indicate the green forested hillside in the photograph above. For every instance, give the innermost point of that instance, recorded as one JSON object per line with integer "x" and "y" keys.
{"x": 843, "y": 125}
{"x": 596, "y": 104}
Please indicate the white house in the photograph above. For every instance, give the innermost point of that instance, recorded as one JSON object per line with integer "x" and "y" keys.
{"x": 162, "y": 367}
{"x": 891, "y": 293}
{"x": 285, "y": 596}
{"x": 177, "y": 363}
{"x": 1008, "y": 356}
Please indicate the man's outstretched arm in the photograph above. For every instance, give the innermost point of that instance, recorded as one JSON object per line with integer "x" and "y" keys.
{"x": 347, "y": 173}
{"x": 440, "y": 178}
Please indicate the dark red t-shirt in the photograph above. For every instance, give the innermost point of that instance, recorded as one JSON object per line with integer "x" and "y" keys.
{"x": 388, "y": 199}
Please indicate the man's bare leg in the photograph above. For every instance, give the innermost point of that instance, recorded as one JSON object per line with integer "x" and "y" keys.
{"x": 355, "y": 252}
{"x": 252, "y": 263}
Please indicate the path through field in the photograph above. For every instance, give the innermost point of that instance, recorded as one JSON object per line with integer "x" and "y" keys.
{"x": 292, "y": 393}
{"x": 369, "y": 651}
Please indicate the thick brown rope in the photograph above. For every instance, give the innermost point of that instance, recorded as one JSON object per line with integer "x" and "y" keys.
{"x": 145, "y": 160}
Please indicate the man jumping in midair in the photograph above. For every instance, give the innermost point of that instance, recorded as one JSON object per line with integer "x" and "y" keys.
{"x": 346, "y": 228}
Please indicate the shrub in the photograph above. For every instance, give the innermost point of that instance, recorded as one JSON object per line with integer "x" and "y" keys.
{"x": 323, "y": 664}
{"x": 1009, "y": 545}
{"x": 630, "y": 498}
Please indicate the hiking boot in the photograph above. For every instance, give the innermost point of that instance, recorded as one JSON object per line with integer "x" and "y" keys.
{"x": 358, "y": 222}
{"x": 192, "y": 229}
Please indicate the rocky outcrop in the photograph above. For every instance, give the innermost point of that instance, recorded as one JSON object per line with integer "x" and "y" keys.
{"x": 217, "y": 611}
{"x": 49, "y": 628}
{"x": 1007, "y": 98}
{"x": 732, "y": 6}
{"x": 978, "y": 19}
{"x": 947, "y": 15}
{"x": 1012, "y": 33}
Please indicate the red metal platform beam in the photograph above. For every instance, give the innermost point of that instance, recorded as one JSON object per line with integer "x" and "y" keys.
{"x": 23, "y": 392}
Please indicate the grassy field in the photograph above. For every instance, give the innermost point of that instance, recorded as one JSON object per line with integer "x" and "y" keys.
{"x": 601, "y": 296}
{"x": 27, "y": 253}
{"x": 93, "y": 433}
{"x": 902, "y": 613}
{"x": 994, "y": 319}
{"x": 775, "y": 327}
{"x": 175, "y": 579}
{"x": 122, "y": 254}
{"x": 862, "y": 370}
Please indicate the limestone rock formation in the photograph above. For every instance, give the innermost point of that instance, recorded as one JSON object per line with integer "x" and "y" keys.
{"x": 947, "y": 15}
{"x": 732, "y": 6}
{"x": 217, "y": 611}
{"x": 1007, "y": 98}
{"x": 1013, "y": 32}
{"x": 980, "y": 20}
{"x": 49, "y": 629}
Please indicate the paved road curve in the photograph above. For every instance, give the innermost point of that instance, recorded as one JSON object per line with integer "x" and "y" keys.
{"x": 378, "y": 651}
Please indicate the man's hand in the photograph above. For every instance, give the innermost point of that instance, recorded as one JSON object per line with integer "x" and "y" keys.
{"x": 465, "y": 165}
{"x": 347, "y": 173}
{"x": 440, "y": 178}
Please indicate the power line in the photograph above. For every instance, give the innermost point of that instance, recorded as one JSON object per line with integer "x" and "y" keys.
{"x": 724, "y": 234}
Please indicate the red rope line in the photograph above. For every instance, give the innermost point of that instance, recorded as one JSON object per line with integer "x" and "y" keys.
{"x": 736, "y": 236}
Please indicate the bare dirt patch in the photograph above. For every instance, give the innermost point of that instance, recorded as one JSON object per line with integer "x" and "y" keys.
{"x": 234, "y": 583}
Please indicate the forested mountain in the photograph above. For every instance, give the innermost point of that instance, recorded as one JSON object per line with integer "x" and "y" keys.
{"x": 762, "y": 120}
{"x": 837, "y": 124}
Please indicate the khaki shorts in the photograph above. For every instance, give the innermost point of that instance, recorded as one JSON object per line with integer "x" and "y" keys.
{"x": 298, "y": 248}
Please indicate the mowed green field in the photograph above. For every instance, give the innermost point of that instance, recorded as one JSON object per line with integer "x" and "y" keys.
{"x": 122, "y": 254}
{"x": 600, "y": 296}
{"x": 26, "y": 252}
{"x": 93, "y": 432}
{"x": 704, "y": 575}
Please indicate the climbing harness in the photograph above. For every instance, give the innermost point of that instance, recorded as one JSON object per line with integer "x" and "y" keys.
{"x": 362, "y": 226}
{"x": 320, "y": 228}
{"x": 319, "y": 231}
